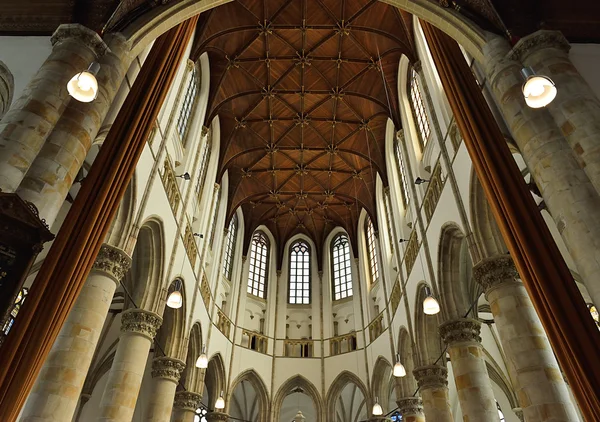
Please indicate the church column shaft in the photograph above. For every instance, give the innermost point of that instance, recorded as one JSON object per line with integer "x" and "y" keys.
{"x": 473, "y": 383}
{"x": 56, "y": 391}
{"x": 433, "y": 386}
{"x": 185, "y": 405}
{"x": 165, "y": 376}
{"x": 27, "y": 124}
{"x": 138, "y": 328}
{"x": 540, "y": 388}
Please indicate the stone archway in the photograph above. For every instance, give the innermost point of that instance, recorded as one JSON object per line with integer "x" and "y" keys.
{"x": 357, "y": 400}
{"x": 248, "y": 398}
{"x": 298, "y": 384}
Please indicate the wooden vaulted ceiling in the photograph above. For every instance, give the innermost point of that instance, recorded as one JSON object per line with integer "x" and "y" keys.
{"x": 303, "y": 90}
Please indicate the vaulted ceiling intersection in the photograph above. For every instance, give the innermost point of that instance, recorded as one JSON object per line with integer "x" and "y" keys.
{"x": 303, "y": 91}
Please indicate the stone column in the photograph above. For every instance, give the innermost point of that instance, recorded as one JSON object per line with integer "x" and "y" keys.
{"x": 473, "y": 383}
{"x": 570, "y": 197}
{"x": 576, "y": 110}
{"x": 411, "y": 409}
{"x": 185, "y": 405}
{"x": 166, "y": 372}
{"x": 56, "y": 391}
{"x": 29, "y": 121}
{"x": 53, "y": 171}
{"x": 216, "y": 417}
{"x": 433, "y": 386}
{"x": 540, "y": 388}
{"x": 138, "y": 328}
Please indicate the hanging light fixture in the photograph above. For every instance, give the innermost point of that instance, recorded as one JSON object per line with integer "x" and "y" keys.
{"x": 220, "y": 403}
{"x": 430, "y": 304}
{"x": 419, "y": 181}
{"x": 175, "y": 299}
{"x": 84, "y": 86}
{"x": 538, "y": 90}
{"x": 399, "y": 369}
{"x": 377, "y": 409}
{"x": 202, "y": 361}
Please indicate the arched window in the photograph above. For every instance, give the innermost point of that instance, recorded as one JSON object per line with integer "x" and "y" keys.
{"x": 299, "y": 291}
{"x": 200, "y": 415}
{"x": 372, "y": 251}
{"x": 259, "y": 264}
{"x": 396, "y": 417}
{"x": 188, "y": 104}
{"x": 594, "y": 312}
{"x": 418, "y": 106}
{"x": 500, "y": 414}
{"x": 403, "y": 173}
{"x": 15, "y": 310}
{"x": 230, "y": 247}
{"x": 341, "y": 270}
{"x": 203, "y": 166}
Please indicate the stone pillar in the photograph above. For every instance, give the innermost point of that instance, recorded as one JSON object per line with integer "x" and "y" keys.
{"x": 185, "y": 405}
{"x": 53, "y": 171}
{"x": 540, "y": 388}
{"x": 56, "y": 391}
{"x": 138, "y": 328}
{"x": 216, "y": 417}
{"x": 29, "y": 121}
{"x": 166, "y": 372}
{"x": 576, "y": 110}
{"x": 433, "y": 386}
{"x": 411, "y": 409}
{"x": 473, "y": 383}
{"x": 570, "y": 197}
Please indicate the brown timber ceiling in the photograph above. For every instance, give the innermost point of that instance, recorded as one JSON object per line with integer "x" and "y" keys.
{"x": 303, "y": 90}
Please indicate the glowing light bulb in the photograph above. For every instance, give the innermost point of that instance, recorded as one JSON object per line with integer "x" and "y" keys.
{"x": 220, "y": 403}
{"x": 431, "y": 306}
{"x": 538, "y": 90}
{"x": 377, "y": 409}
{"x": 84, "y": 86}
{"x": 175, "y": 300}
{"x": 202, "y": 361}
{"x": 399, "y": 369}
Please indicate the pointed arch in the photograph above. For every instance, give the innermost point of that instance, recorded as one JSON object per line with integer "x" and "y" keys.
{"x": 191, "y": 378}
{"x": 214, "y": 379}
{"x": 170, "y": 335}
{"x": 256, "y": 407}
{"x": 382, "y": 382}
{"x": 307, "y": 387}
{"x": 427, "y": 338}
{"x": 406, "y": 385}
{"x": 122, "y": 224}
{"x": 336, "y": 389}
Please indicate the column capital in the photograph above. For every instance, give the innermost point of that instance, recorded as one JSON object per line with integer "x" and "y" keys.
{"x": 187, "y": 400}
{"x": 410, "y": 406}
{"x": 417, "y": 66}
{"x": 204, "y": 131}
{"x": 216, "y": 416}
{"x": 519, "y": 413}
{"x": 75, "y": 31}
{"x": 141, "y": 322}
{"x": 461, "y": 330}
{"x": 431, "y": 376}
{"x": 112, "y": 261}
{"x": 167, "y": 368}
{"x": 537, "y": 41}
{"x": 493, "y": 271}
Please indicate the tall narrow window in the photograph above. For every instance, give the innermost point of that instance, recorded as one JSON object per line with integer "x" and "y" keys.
{"x": 403, "y": 173}
{"x": 188, "y": 104}
{"x": 595, "y": 315}
{"x": 372, "y": 251}
{"x": 299, "y": 292}
{"x": 259, "y": 260}
{"x": 418, "y": 106}
{"x": 213, "y": 226}
{"x": 230, "y": 247}
{"x": 203, "y": 166}
{"x": 15, "y": 310}
{"x": 342, "y": 271}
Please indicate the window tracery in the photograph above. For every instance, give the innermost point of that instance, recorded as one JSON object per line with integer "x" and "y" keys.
{"x": 372, "y": 251}
{"x": 188, "y": 104}
{"x": 299, "y": 287}
{"x": 230, "y": 247}
{"x": 341, "y": 268}
{"x": 15, "y": 310}
{"x": 419, "y": 111}
{"x": 259, "y": 264}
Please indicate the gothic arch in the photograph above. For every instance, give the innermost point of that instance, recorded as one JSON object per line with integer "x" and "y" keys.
{"x": 191, "y": 377}
{"x": 214, "y": 379}
{"x": 261, "y": 398}
{"x": 336, "y": 389}
{"x": 122, "y": 224}
{"x": 427, "y": 338}
{"x": 308, "y": 388}
{"x": 170, "y": 336}
{"x": 382, "y": 383}
{"x": 455, "y": 267}
{"x": 406, "y": 385}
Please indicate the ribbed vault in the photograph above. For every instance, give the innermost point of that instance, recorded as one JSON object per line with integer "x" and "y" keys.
{"x": 303, "y": 91}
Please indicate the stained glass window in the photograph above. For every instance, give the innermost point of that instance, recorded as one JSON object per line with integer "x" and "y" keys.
{"x": 15, "y": 310}
{"x": 299, "y": 291}
{"x": 595, "y": 314}
{"x": 187, "y": 105}
{"x": 341, "y": 270}
{"x": 418, "y": 106}
{"x": 230, "y": 247}
{"x": 259, "y": 260}
{"x": 396, "y": 417}
{"x": 372, "y": 251}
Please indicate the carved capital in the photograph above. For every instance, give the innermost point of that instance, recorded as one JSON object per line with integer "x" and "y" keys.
{"x": 216, "y": 417}
{"x": 432, "y": 376}
{"x": 189, "y": 65}
{"x": 461, "y": 330}
{"x": 187, "y": 400}
{"x": 417, "y": 66}
{"x": 539, "y": 40}
{"x": 400, "y": 135}
{"x": 167, "y": 368}
{"x": 141, "y": 322}
{"x": 493, "y": 271}
{"x": 204, "y": 131}
{"x": 7, "y": 87}
{"x": 85, "y": 36}
{"x": 112, "y": 261}
{"x": 410, "y": 406}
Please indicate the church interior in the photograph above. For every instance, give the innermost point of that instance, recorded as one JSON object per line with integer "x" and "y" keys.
{"x": 299, "y": 211}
